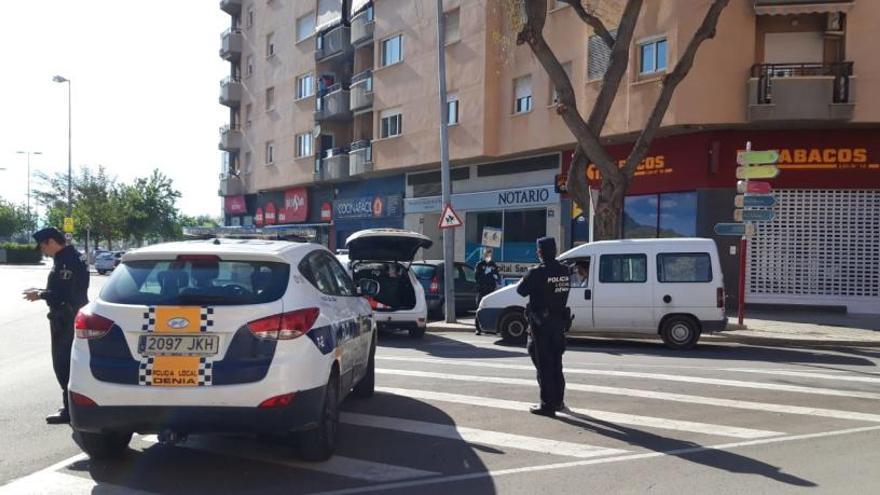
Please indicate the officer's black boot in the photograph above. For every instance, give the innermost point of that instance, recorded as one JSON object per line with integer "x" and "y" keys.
{"x": 543, "y": 411}
{"x": 62, "y": 417}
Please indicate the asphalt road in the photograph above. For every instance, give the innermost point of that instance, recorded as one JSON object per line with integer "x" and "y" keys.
{"x": 450, "y": 417}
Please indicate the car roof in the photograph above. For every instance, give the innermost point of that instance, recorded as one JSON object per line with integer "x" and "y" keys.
{"x": 240, "y": 248}
{"x": 584, "y": 249}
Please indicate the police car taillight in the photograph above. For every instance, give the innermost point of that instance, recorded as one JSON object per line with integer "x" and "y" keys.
{"x": 91, "y": 326}
{"x": 286, "y": 326}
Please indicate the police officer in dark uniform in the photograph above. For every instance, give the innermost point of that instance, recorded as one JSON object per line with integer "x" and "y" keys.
{"x": 488, "y": 278}
{"x": 547, "y": 286}
{"x": 66, "y": 292}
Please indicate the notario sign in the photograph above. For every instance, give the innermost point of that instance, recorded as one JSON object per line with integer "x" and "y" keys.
{"x": 523, "y": 197}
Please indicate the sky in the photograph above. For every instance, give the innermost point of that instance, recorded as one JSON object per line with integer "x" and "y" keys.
{"x": 145, "y": 82}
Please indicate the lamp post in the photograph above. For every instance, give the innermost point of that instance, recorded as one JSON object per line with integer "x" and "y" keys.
{"x": 29, "y": 153}
{"x": 61, "y": 79}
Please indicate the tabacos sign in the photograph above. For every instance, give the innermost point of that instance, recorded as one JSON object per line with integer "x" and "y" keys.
{"x": 823, "y": 158}
{"x": 651, "y": 165}
{"x": 296, "y": 206}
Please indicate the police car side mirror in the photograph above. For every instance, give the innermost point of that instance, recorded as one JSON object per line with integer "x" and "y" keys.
{"x": 367, "y": 287}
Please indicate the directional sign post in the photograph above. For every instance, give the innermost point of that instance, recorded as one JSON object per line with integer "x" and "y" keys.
{"x": 753, "y": 187}
{"x": 754, "y": 201}
{"x": 753, "y": 215}
{"x": 757, "y": 172}
{"x": 737, "y": 229}
{"x": 749, "y": 157}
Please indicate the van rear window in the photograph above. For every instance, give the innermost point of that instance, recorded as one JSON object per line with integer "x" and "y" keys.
{"x": 684, "y": 267}
{"x": 197, "y": 282}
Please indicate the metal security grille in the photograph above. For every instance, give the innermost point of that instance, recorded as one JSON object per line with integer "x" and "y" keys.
{"x": 823, "y": 246}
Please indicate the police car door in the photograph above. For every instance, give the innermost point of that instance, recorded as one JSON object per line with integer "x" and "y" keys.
{"x": 580, "y": 297}
{"x": 358, "y": 327}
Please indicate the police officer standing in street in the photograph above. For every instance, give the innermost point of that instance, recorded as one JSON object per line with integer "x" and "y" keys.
{"x": 547, "y": 286}
{"x": 66, "y": 292}
{"x": 488, "y": 278}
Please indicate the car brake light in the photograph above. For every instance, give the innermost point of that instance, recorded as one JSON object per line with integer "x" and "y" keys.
{"x": 91, "y": 326}
{"x": 278, "y": 401}
{"x": 82, "y": 400}
{"x": 286, "y": 326}
{"x": 435, "y": 285}
{"x": 719, "y": 297}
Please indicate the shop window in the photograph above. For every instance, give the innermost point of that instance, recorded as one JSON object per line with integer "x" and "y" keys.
{"x": 475, "y": 222}
{"x": 520, "y": 229}
{"x": 640, "y": 217}
{"x": 660, "y": 215}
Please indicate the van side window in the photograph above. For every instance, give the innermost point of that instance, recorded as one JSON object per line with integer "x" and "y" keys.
{"x": 684, "y": 267}
{"x": 623, "y": 268}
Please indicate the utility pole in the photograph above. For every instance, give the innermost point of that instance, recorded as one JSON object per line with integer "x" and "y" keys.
{"x": 446, "y": 183}
{"x": 29, "y": 153}
{"x": 61, "y": 79}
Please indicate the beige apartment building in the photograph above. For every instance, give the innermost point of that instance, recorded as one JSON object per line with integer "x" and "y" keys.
{"x": 334, "y": 127}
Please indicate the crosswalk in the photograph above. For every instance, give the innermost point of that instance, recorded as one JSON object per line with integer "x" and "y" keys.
{"x": 438, "y": 420}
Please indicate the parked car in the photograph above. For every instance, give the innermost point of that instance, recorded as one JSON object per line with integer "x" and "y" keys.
{"x": 430, "y": 274}
{"x": 670, "y": 287}
{"x": 107, "y": 261}
{"x": 221, "y": 336}
{"x": 385, "y": 255}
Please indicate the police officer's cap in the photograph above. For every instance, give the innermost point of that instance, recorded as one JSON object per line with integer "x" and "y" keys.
{"x": 49, "y": 233}
{"x": 547, "y": 245}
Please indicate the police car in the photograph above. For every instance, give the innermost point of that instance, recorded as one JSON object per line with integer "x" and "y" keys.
{"x": 221, "y": 336}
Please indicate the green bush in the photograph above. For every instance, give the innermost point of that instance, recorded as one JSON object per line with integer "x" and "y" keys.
{"x": 21, "y": 253}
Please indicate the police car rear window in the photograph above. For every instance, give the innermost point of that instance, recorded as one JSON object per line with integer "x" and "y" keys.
{"x": 199, "y": 282}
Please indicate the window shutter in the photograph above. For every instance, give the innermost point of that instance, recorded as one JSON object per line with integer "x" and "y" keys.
{"x": 598, "y": 57}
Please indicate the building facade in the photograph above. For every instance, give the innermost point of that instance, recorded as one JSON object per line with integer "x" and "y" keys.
{"x": 334, "y": 124}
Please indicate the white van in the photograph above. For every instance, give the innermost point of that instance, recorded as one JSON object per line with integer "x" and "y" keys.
{"x": 670, "y": 287}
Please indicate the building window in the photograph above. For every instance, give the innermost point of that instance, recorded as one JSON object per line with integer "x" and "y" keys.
{"x": 270, "y": 152}
{"x": 391, "y": 123}
{"x": 660, "y": 215}
{"x": 392, "y": 50}
{"x": 598, "y": 56}
{"x": 270, "y": 98}
{"x": 250, "y": 17}
{"x": 652, "y": 56}
{"x": 304, "y": 144}
{"x": 305, "y": 86}
{"x": 554, "y": 94}
{"x": 452, "y": 108}
{"x": 249, "y": 67}
{"x": 247, "y": 162}
{"x": 519, "y": 229}
{"x": 623, "y": 268}
{"x": 522, "y": 94}
{"x": 270, "y": 45}
{"x": 248, "y": 110}
{"x": 451, "y": 23}
{"x": 305, "y": 26}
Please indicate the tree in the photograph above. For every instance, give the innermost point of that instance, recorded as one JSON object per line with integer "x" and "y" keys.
{"x": 148, "y": 208}
{"x": 528, "y": 18}
{"x": 14, "y": 220}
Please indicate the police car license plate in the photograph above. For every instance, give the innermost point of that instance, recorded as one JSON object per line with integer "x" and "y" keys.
{"x": 178, "y": 345}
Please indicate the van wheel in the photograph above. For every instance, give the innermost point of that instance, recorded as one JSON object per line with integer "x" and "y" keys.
{"x": 417, "y": 332}
{"x": 318, "y": 444}
{"x": 680, "y": 332}
{"x": 367, "y": 386}
{"x": 513, "y": 327}
{"x": 102, "y": 446}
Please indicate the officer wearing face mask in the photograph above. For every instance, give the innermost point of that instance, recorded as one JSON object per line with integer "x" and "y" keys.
{"x": 488, "y": 278}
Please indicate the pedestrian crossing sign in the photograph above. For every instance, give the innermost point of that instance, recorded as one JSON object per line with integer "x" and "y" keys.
{"x": 449, "y": 219}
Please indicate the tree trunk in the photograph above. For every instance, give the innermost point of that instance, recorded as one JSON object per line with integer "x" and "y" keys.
{"x": 608, "y": 218}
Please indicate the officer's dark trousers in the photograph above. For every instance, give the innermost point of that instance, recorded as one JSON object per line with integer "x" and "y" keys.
{"x": 61, "y": 325}
{"x": 546, "y": 346}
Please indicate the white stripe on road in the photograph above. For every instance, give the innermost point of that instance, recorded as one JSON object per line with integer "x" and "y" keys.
{"x": 655, "y": 376}
{"x": 57, "y": 483}
{"x": 650, "y": 394}
{"x": 482, "y": 437}
{"x": 611, "y": 417}
{"x": 809, "y": 374}
{"x": 338, "y": 465}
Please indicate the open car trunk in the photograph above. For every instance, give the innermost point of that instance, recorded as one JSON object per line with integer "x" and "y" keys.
{"x": 395, "y": 292}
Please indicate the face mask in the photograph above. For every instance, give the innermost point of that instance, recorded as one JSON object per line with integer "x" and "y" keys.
{"x": 488, "y": 259}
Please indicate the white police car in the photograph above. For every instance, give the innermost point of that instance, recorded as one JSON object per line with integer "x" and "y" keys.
{"x": 221, "y": 336}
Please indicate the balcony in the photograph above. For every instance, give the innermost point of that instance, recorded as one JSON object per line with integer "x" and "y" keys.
{"x": 362, "y": 26}
{"x": 230, "y": 47}
{"x": 231, "y": 185}
{"x": 231, "y": 7}
{"x": 360, "y": 158}
{"x": 230, "y": 92}
{"x": 801, "y": 92}
{"x": 333, "y": 44}
{"x": 333, "y": 165}
{"x": 333, "y": 105}
{"x": 362, "y": 92}
{"x": 230, "y": 138}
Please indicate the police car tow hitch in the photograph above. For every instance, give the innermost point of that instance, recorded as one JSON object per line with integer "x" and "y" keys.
{"x": 171, "y": 438}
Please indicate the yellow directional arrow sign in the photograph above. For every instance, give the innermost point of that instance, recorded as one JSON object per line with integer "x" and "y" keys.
{"x": 757, "y": 157}
{"x": 757, "y": 172}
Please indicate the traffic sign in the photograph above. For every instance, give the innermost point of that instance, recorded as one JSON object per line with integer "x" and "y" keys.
{"x": 757, "y": 172}
{"x": 449, "y": 219}
{"x": 754, "y": 201}
{"x": 738, "y": 229}
{"x": 753, "y": 215}
{"x": 68, "y": 224}
{"x": 753, "y": 187}
{"x": 750, "y": 157}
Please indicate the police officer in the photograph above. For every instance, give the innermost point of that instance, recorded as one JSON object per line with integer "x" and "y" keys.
{"x": 547, "y": 286}
{"x": 488, "y": 278}
{"x": 66, "y": 292}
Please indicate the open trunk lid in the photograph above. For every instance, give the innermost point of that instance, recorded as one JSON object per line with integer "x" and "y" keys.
{"x": 385, "y": 245}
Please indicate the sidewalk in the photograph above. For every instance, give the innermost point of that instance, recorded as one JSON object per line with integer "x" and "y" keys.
{"x": 780, "y": 328}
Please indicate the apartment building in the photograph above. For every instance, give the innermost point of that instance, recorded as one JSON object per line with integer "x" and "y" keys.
{"x": 334, "y": 121}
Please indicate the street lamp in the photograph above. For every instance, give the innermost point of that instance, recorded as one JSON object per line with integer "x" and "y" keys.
{"x": 61, "y": 79}
{"x": 29, "y": 153}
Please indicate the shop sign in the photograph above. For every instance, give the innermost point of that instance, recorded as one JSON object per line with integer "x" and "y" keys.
{"x": 489, "y": 200}
{"x": 234, "y": 205}
{"x": 269, "y": 216}
{"x": 258, "y": 217}
{"x": 514, "y": 269}
{"x": 378, "y": 206}
{"x": 326, "y": 211}
{"x": 492, "y": 237}
{"x": 296, "y": 206}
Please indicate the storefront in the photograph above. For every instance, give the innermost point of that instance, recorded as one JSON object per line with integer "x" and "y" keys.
{"x": 239, "y": 210}
{"x": 291, "y": 209}
{"x": 367, "y": 204}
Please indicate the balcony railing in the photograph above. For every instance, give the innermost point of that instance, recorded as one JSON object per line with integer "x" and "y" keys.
{"x": 231, "y": 185}
{"x": 362, "y": 91}
{"x": 230, "y": 91}
{"x": 805, "y": 91}
{"x": 230, "y": 46}
{"x": 230, "y": 138}
{"x": 332, "y": 165}
{"x": 231, "y": 7}
{"x": 360, "y": 157}
{"x": 362, "y": 26}
{"x": 336, "y": 41}
{"x": 333, "y": 103}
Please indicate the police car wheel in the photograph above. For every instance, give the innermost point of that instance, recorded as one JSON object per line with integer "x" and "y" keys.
{"x": 680, "y": 332}
{"x": 513, "y": 327}
{"x": 367, "y": 386}
{"x": 102, "y": 445}
{"x": 318, "y": 444}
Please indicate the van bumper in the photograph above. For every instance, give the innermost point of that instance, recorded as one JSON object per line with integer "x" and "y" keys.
{"x": 712, "y": 326}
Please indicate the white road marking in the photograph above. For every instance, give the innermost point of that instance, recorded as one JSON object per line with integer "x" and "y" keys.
{"x": 653, "y": 376}
{"x": 57, "y": 483}
{"x": 808, "y": 374}
{"x": 482, "y": 437}
{"x": 591, "y": 462}
{"x": 338, "y": 465}
{"x": 650, "y": 394}
{"x": 611, "y": 417}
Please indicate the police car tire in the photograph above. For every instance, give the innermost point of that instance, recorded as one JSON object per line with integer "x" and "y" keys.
{"x": 102, "y": 445}
{"x": 512, "y": 326}
{"x": 367, "y": 386}
{"x": 680, "y": 332}
{"x": 318, "y": 444}
{"x": 417, "y": 332}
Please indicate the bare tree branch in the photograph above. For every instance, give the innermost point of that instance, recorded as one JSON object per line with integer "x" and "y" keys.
{"x": 670, "y": 82}
{"x": 592, "y": 21}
